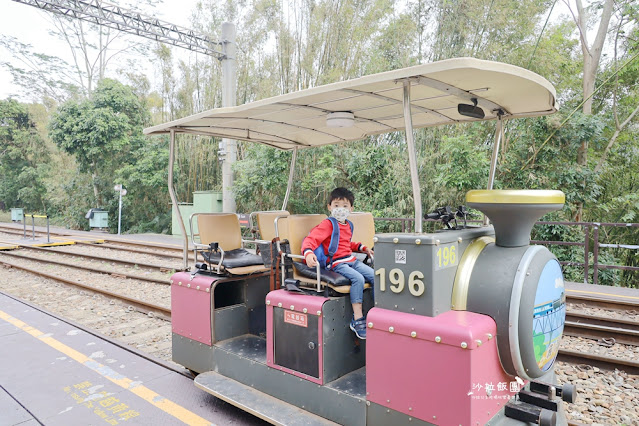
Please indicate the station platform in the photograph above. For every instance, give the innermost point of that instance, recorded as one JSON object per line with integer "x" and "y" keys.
{"x": 603, "y": 292}
{"x": 53, "y": 373}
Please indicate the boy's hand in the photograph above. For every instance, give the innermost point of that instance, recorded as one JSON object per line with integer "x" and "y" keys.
{"x": 369, "y": 252}
{"x": 311, "y": 259}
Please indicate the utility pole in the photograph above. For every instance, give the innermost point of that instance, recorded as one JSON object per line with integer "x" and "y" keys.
{"x": 229, "y": 99}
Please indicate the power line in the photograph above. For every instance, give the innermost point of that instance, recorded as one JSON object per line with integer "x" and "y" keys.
{"x": 118, "y": 18}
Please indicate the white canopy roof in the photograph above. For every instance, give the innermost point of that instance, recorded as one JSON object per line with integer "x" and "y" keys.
{"x": 299, "y": 118}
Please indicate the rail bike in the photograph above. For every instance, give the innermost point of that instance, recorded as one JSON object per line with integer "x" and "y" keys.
{"x": 464, "y": 324}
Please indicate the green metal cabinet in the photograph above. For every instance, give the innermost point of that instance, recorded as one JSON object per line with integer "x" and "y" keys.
{"x": 17, "y": 214}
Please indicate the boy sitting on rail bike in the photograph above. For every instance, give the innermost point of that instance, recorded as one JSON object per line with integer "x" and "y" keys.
{"x": 342, "y": 261}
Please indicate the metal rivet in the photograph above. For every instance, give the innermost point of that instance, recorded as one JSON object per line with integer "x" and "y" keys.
{"x": 305, "y": 310}
{"x": 464, "y": 345}
{"x": 370, "y": 325}
{"x": 319, "y": 312}
{"x": 387, "y": 410}
{"x": 418, "y": 241}
{"x": 197, "y": 288}
{"x": 188, "y": 285}
{"x": 179, "y": 282}
{"x": 279, "y": 305}
{"x": 395, "y": 240}
{"x": 268, "y": 302}
{"x": 208, "y": 289}
{"x": 375, "y": 239}
{"x": 438, "y": 339}
{"x": 391, "y": 329}
{"x": 459, "y": 240}
{"x": 478, "y": 342}
{"x": 292, "y": 308}
{"x": 368, "y": 403}
{"x": 413, "y": 334}
{"x": 171, "y": 282}
{"x": 490, "y": 336}
{"x": 410, "y": 408}
{"x": 388, "y": 400}
{"x": 437, "y": 242}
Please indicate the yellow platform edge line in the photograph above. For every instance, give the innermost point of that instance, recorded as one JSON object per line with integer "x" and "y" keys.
{"x": 603, "y": 294}
{"x": 143, "y": 392}
{"x": 76, "y": 239}
{"x": 63, "y": 243}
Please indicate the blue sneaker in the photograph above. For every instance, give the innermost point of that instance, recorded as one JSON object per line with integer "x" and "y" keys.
{"x": 359, "y": 327}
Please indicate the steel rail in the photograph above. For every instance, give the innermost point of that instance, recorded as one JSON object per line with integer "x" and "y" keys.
{"x": 132, "y": 250}
{"x": 137, "y": 303}
{"x": 161, "y": 268}
{"x": 596, "y": 302}
{"x": 589, "y": 329}
{"x": 88, "y": 268}
{"x": 602, "y": 321}
{"x": 600, "y": 361}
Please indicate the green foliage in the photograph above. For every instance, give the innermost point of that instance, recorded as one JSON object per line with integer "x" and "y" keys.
{"x": 23, "y": 159}
{"x": 101, "y": 132}
{"x": 463, "y": 165}
{"x": 293, "y": 45}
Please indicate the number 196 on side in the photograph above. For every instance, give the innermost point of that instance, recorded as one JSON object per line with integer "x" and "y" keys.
{"x": 445, "y": 256}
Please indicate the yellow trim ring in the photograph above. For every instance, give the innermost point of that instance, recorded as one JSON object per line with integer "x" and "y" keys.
{"x": 465, "y": 269}
{"x": 515, "y": 196}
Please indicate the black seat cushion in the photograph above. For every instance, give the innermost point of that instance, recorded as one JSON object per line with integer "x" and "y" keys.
{"x": 330, "y": 277}
{"x": 233, "y": 258}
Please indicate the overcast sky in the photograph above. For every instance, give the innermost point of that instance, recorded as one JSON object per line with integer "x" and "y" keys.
{"x": 31, "y": 25}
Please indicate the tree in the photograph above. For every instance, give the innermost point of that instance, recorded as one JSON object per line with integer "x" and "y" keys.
{"x": 101, "y": 132}
{"x": 23, "y": 158}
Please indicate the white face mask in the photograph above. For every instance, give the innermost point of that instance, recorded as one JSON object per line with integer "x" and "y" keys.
{"x": 340, "y": 213}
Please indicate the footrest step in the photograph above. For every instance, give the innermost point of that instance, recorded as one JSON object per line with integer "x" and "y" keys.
{"x": 266, "y": 407}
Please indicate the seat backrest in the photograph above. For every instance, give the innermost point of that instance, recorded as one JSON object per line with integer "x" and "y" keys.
{"x": 223, "y": 228}
{"x": 299, "y": 225}
{"x": 363, "y": 228}
{"x": 266, "y": 224}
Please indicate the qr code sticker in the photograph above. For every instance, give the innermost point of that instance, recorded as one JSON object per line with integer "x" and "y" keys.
{"x": 400, "y": 256}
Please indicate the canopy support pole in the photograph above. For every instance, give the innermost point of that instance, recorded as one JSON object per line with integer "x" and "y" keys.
{"x": 290, "y": 178}
{"x": 229, "y": 94}
{"x": 412, "y": 158}
{"x": 185, "y": 252}
{"x": 499, "y": 135}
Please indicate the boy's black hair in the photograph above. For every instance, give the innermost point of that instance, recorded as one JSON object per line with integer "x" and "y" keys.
{"x": 342, "y": 193}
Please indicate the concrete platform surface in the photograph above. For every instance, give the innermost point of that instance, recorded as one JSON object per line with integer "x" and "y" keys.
{"x": 55, "y": 374}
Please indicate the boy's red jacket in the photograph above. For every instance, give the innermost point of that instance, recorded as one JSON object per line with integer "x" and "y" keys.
{"x": 321, "y": 234}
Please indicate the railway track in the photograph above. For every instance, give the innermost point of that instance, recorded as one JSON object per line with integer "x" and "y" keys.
{"x": 604, "y": 329}
{"x": 161, "y": 268}
{"x": 141, "y": 305}
{"x": 88, "y": 268}
{"x": 601, "y": 361}
{"x": 155, "y": 249}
